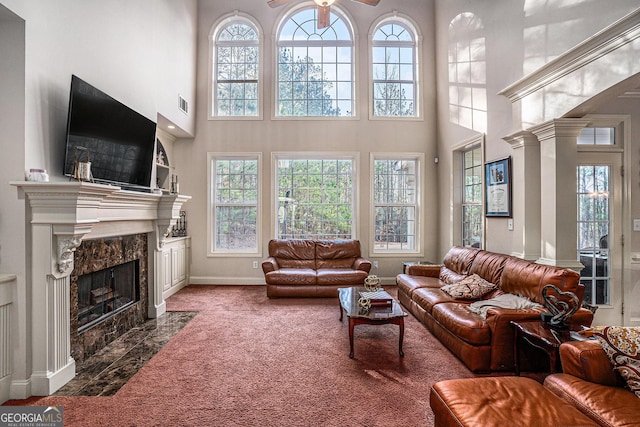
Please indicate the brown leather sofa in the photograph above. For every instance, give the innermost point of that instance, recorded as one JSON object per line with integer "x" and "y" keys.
{"x": 482, "y": 344}
{"x": 591, "y": 385}
{"x": 588, "y": 392}
{"x": 313, "y": 268}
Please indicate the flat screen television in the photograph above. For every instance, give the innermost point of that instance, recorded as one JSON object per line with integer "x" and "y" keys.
{"x": 118, "y": 141}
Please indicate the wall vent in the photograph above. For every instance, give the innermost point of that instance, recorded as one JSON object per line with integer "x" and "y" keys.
{"x": 183, "y": 105}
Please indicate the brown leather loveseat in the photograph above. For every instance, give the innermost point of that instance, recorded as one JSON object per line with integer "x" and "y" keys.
{"x": 313, "y": 268}
{"x": 482, "y": 344}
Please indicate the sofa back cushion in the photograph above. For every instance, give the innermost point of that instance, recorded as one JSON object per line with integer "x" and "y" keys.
{"x": 527, "y": 279}
{"x": 293, "y": 253}
{"x": 457, "y": 263}
{"x": 337, "y": 253}
{"x": 489, "y": 266}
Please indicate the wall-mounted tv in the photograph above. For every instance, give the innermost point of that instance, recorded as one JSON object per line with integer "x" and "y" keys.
{"x": 118, "y": 141}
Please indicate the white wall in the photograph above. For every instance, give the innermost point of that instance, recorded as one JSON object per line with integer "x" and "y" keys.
{"x": 520, "y": 36}
{"x": 141, "y": 53}
{"x": 360, "y": 135}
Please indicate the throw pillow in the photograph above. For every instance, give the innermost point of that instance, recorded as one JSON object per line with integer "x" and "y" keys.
{"x": 622, "y": 345}
{"x": 472, "y": 287}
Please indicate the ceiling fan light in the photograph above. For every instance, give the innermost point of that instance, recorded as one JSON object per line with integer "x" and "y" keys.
{"x": 324, "y": 3}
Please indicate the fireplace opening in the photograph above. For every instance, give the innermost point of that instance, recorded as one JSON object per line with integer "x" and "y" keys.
{"x": 103, "y": 293}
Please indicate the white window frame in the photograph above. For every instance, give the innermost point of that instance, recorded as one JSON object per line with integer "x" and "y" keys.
{"x": 211, "y": 206}
{"x": 223, "y": 22}
{"x": 412, "y": 27}
{"x": 457, "y": 188}
{"x": 464, "y": 186}
{"x": 277, "y": 156}
{"x": 348, "y": 20}
{"x": 419, "y": 159}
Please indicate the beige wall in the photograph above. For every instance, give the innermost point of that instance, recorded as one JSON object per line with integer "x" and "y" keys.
{"x": 360, "y": 135}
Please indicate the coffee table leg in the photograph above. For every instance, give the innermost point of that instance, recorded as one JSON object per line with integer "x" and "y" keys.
{"x": 400, "y": 339}
{"x": 351, "y": 327}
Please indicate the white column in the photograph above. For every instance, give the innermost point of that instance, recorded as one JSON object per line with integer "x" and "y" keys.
{"x": 558, "y": 204}
{"x": 526, "y": 195}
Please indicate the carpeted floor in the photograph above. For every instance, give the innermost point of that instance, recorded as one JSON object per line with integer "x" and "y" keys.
{"x": 246, "y": 360}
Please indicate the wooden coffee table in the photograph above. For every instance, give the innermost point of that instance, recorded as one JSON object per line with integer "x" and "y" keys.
{"x": 348, "y": 298}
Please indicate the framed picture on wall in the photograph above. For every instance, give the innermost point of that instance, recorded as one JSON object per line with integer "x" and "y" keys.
{"x": 497, "y": 175}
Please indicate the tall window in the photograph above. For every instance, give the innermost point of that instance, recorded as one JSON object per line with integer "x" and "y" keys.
{"x": 234, "y": 215}
{"x": 236, "y": 69}
{"x": 394, "y": 70}
{"x": 315, "y": 67}
{"x": 395, "y": 203}
{"x": 472, "y": 198}
{"x": 315, "y": 198}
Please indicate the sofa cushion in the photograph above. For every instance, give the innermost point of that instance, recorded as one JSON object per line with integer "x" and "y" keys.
{"x": 527, "y": 279}
{"x": 488, "y": 265}
{"x": 408, "y": 284}
{"x": 428, "y": 297}
{"x": 291, "y": 276}
{"x": 471, "y": 287}
{"x": 450, "y": 276}
{"x": 608, "y": 406}
{"x": 622, "y": 345}
{"x": 340, "y": 276}
{"x": 459, "y": 259}
{"x": 293, "y": 253}
{"x": 336, "y": 253}
{"x": 500, "y": 401}
{"x": 461, "y": 322}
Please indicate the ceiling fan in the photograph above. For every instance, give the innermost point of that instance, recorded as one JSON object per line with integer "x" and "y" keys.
{"x": 323, "y": 8}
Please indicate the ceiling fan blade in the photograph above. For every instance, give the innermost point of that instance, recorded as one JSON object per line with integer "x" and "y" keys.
{"x": 369, "y": 2}
{"x": 323, "y": 17}
{"x": 276, "y": 3}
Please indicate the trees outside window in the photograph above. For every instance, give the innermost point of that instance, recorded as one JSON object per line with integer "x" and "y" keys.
{"x": 234, "y": 183}
{"x": 472, "y": 198}
{"x": 395, "y": 187}
{"x": 315, "y": 67}
{"x": 315, "y": 198}
{"x": 236, "y": 69}
{"x": 394, "y": 69}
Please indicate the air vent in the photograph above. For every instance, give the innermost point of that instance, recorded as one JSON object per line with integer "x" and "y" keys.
{"x": 183, "y": 105}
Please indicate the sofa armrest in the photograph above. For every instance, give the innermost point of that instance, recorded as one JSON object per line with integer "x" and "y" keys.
{"x": 428, "y": 270}
{"x": 362, "y": 264}
{"x": 588, "y": 361}
{"x": 269, "y": 264}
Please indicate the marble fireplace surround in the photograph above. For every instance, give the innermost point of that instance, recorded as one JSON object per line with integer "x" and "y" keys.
{"x": 60, "y": 215}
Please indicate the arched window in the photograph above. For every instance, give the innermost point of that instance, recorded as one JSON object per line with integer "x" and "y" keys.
{"x": 394, "y": 69}
{"x": 235, "y": 75}
{"x": 315, "y": 68}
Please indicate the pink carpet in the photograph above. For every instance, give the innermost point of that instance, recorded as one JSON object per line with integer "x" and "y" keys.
{"x": 246, "y": 360}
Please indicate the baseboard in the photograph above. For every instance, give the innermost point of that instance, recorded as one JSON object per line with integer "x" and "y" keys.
{"x": 208, "y": 280}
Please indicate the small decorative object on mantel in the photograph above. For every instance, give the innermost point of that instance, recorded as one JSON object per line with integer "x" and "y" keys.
{"x": 175, "y": 187}
{"x": 38, "y": 175}
{"x": 561, "y": 306}
{"x": 180, "y": 228}
{"x": 82, "y": 164}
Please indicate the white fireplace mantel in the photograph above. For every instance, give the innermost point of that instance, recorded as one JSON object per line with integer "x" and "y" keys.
{"x": 61, "y": 215}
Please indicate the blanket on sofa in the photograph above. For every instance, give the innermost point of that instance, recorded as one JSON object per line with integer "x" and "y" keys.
{"x": 502, "y": 301}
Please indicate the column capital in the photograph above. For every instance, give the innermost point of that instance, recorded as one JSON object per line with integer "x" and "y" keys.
{"x": 559, "y": 128}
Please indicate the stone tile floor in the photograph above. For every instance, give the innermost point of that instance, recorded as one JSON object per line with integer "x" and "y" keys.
{"x": 104, "y": 373}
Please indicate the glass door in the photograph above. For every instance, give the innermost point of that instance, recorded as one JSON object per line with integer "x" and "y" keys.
{"x": 599, "y": 234}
